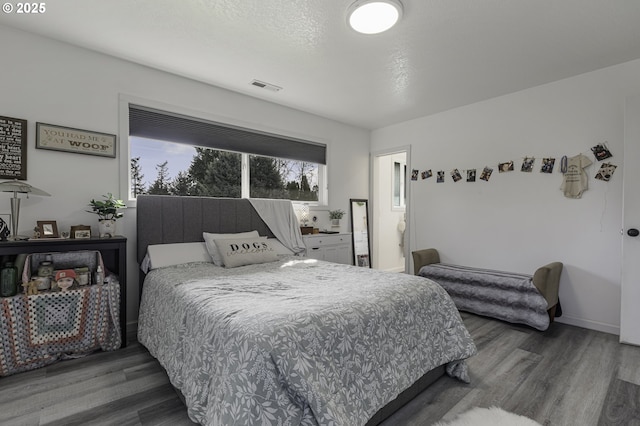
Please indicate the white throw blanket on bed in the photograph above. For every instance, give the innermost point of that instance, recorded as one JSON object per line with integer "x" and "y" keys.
{"x": 281, "y": 219}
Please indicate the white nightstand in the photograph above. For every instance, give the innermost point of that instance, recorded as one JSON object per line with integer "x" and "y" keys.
{"x": 330, "y": 247}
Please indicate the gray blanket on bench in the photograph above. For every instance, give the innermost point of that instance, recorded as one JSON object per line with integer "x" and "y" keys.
{"x": 503, "y": 295}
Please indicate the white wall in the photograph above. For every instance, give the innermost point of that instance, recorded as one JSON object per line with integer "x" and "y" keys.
{"x": 518, "y": 221}
{"x": 56, "y": 83}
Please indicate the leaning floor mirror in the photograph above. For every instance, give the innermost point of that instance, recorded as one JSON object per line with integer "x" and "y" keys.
{"x": 360, "y": 232}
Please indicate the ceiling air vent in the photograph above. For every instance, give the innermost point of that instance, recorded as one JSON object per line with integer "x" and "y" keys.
{"x": 268, "y": 86}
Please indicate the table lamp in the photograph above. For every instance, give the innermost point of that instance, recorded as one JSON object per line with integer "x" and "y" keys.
{"x": 16, "y": 187}
{"x": 304, "y": 214}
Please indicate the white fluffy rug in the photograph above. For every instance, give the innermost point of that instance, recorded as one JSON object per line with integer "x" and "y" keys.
{"x": 493, "y": 416}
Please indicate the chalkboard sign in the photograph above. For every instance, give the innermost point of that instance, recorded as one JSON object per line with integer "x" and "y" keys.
{"x": 13, "y": 148}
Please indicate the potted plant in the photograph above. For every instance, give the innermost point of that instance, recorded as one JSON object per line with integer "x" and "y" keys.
{"x": 335, "y": 216}
{"x": 107, "y": 211}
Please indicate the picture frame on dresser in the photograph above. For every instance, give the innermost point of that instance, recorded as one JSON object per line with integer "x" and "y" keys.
{"x": 5, "y": 223}
{"x": 80, "y": 232}
{"x": 48, "y": 229}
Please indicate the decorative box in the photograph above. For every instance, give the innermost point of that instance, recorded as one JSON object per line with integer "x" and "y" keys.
{"x": 84, "y": 263}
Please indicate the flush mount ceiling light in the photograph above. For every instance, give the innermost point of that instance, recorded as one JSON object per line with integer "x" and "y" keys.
{"x": 374, "y": 16}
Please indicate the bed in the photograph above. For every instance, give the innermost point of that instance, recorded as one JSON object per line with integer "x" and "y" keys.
{"x": 291, "y": 341}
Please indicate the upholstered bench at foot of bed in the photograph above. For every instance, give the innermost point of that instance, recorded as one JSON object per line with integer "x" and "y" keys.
{"x": 546, "y": 279}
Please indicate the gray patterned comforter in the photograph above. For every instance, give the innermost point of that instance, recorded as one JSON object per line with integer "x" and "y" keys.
{"x": 506, "y": 296}
{"x": 297, "y": 342}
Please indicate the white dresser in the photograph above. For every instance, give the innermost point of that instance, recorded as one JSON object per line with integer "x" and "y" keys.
{"x": 330, "y": 247}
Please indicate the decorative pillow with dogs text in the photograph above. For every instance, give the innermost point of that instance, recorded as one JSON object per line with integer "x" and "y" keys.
{"x": 245, "y": 251}
{"x": 209, "y": 239}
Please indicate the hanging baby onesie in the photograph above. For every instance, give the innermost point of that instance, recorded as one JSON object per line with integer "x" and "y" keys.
{"x": 575, "y": 178}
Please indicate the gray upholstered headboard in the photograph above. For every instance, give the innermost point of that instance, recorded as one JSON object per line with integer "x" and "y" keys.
{"x": 163, "y": 219}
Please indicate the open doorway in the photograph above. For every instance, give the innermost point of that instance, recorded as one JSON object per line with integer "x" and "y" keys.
{"x": 390, "y": 198}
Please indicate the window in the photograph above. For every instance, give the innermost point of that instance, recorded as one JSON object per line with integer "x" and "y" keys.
{"x": 281, "y": 178}
{"x": 399, "y": 172}
{"x": 179, "y": 155}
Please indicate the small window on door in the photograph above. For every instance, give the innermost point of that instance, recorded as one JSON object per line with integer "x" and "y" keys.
{"x": 399, "y": 173}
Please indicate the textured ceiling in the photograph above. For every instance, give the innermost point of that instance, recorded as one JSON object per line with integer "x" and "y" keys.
{"x": 443, "y": 54}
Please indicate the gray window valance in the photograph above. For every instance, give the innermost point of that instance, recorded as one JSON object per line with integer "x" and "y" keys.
{"x": 155, "y": 124}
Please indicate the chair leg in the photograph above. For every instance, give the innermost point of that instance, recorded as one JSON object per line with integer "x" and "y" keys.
{"x": 552, "y": 313}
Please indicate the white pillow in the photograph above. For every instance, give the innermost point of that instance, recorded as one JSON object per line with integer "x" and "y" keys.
{"x": 161, "y": 255}
{"x": 245, "y": 251}
{"x": 213, "y": 249}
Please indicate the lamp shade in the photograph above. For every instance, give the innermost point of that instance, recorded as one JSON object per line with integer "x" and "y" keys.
{"x": 21, "y": 187}
{"x": 17, "y": 187}
{"x": 304, "y": 214}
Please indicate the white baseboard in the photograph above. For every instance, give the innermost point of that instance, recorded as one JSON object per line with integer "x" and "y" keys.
{"x": 591, "y": 325}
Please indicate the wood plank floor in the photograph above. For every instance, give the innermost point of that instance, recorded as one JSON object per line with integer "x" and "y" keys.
{"x": 564, "y": 376}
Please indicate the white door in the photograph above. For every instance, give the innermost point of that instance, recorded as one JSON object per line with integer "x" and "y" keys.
{"x": 630, "y": 306}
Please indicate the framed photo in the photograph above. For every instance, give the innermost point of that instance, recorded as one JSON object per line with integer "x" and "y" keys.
{"x": 13, "y": 148}
{"x": 507, "y": 166}
{"x": 5, "y": 226}
{"x": 601, "y": 152}
{"x": 48, "y": 229}
{"x": 471, "y": 175}
{"x": 80, "y": 232}
{"x": 57, "y": 138}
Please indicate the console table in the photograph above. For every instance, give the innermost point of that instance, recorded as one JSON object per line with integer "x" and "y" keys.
{"x": 114, "y": 257}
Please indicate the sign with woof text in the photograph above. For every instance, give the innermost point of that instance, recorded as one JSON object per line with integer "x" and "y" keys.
{"x": 78, "y": 141}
